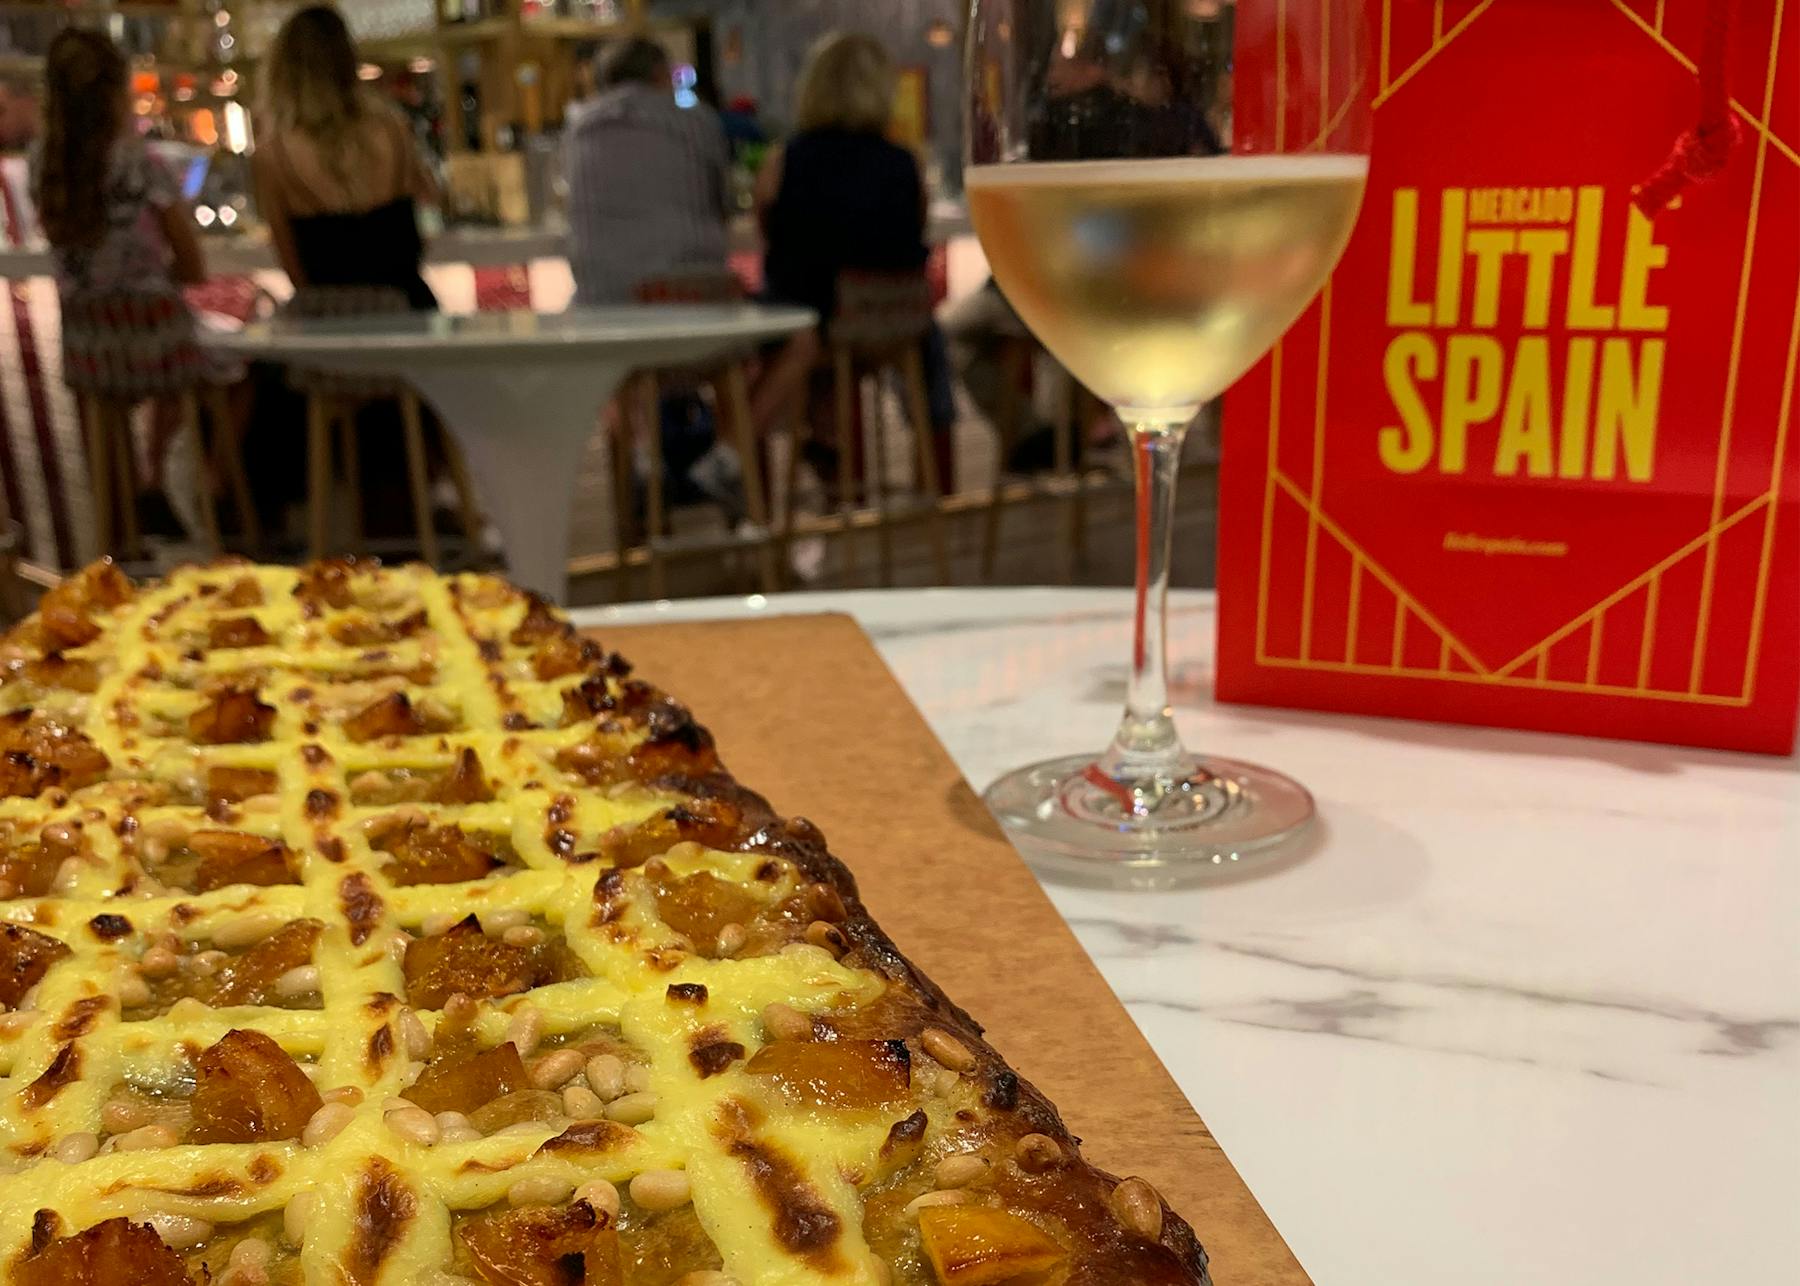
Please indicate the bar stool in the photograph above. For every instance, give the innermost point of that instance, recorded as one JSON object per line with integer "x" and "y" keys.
{"x": 640, "y": 400}
{"x": 122, "y": 348}
{"x": 334, "y": 398}
{"x": 875, "y": 334}
{"x": 1067, "y": 476}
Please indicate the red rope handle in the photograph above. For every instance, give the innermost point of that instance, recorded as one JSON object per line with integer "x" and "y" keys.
{"x": 1702, "y": 151}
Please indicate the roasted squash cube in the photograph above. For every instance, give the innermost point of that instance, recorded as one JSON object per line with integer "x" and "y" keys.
{"x": 836, "y": 1074}
{"x": 465, "y": 959}
{"x": 238, "y": 857}
{"x": 249, "y": 979}
{"x": 463, "y": 1084}
{"x": 25, "y": 957}
{"x": 979, "y": 1245}
{"x": 573, "y": 1245}
{"x": 248, "y": 1089}
{"x": 115, "y": 1251}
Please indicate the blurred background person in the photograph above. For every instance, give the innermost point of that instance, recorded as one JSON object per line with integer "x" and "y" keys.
{"x": 338, "y": 179}
{"x": 838, "y": 195}
{"x": 337, "y": 172}
{"x": 117, "y": 225}
{"x": 649, "y": 181}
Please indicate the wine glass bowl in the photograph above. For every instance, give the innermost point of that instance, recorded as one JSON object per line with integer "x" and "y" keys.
{"x": 1161, "y": 187}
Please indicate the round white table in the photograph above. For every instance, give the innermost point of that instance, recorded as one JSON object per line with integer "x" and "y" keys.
{"x": 1525, "y": 1006}
{"x": 519, "y": 390}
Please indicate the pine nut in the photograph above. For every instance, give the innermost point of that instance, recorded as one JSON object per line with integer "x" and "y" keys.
{"x": 68, "y": 871}
{"x": 73, "y": 1149}
{"x": 205, "y": 963}
{"x": 326, "y": 1124}
{"x": 606, "y": 1076}
{"x": 159, "y": 962}
{"x": 438, "y": 922}
{"x": 503, "y": 918}
{"x": 298, "y": 1214}
{"x": 179, "y": 1232}
{"x": 960, "y": 1171}
{"x": 395, "y": 1103}
{"x": 637, "y": 1078}
{"x": 784, "y": 1022}
{"x": 539, "y": 1190}
{"x": 153, "y": 850}
{"x": 633, "y": 1109}
{"x": 261, "y": 803}
{"x": 686, "y": 851}
{"x": 1139, "y": 1207}
{"x": 582, "y": 1104}
{"x": 457, "y": 1134}
{"x": 602, "y": 1196}
{"x": 244, "y": 931}
{"x": 525, "y": 1029}
{"x": 302, "y": 980}
{"x": 144, "y": 1138}
{"x": 827, "y": 937}
{"x": 12, "y": 1024}
{"x": 451, "y": 1120}
{"x": 349, "y": 1095}
{"x": 120, "y": 1115}
{"x": 134, "y": 992}
{"x": 1037, "y": 1153}
{"x": 946, "y": 1049}
{"x": 882, "y": 1275}
{"x": 414, "y": 1124}
{"x": 251, "y": 1255}
{"x": 732, "y": 938}
{"x": 555, "y": 1068}
{"x": 523, "y": 935}
{"x": 945, "y": 1197}
{"x": 413, "y": 1034}
{"x": 661, "y": 1189}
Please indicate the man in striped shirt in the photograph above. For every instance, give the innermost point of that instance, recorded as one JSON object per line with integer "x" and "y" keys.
{"x": 649, "y": 183}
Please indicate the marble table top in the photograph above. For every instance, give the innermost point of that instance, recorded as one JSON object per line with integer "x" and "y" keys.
{"x": 1525, "y": 1008}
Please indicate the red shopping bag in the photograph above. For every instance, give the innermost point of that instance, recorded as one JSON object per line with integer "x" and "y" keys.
{"x": 1529, "y": 459}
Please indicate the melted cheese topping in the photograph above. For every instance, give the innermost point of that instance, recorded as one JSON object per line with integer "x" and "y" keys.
{"x": 752, "y": 1158}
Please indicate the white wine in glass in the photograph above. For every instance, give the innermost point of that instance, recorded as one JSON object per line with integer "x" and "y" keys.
{"x": 1158, "y": 246}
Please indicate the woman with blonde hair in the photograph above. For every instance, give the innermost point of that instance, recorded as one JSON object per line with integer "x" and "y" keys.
{"x": 336, "y": 170}
{"x": 836, "y": 195}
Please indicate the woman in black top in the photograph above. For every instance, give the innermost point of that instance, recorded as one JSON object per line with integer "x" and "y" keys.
{"x": 837, "y": 195}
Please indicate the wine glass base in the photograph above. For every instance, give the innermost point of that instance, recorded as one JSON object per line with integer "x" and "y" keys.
{"x": 1222, "y": 813}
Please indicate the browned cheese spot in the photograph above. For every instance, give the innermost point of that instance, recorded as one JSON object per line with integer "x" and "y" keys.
{"x": 79, "y": 1019}
{"x": 362, "y": 906}
{"x": 687, "y": 993}
{"x": 64, "y": 1069}
{"x": 384, "y": 1208}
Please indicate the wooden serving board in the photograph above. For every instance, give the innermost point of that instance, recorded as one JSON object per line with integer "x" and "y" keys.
{"x": 807, "y": 714}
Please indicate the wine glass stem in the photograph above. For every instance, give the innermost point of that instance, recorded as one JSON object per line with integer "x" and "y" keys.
{"x": 1146, "y": 758}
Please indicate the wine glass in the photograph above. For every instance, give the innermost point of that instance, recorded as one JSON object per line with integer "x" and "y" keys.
{"x": 1161, "y": 186}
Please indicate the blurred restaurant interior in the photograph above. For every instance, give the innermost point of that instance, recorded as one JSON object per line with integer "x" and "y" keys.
{"x": 1032, "y": 480}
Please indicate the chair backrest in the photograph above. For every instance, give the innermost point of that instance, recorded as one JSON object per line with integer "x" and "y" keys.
{"x": 313, "y": 302}
{"x": 881, "y": 309}
{"x": 129, "y": 344}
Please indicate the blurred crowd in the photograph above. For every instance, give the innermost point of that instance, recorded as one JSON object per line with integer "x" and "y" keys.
{"x": 338, "y": 180}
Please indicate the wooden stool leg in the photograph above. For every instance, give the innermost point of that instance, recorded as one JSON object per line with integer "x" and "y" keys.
{"x": 124, "y": 458}
{"x": 318, "y": 473}
{"x": 618, "y": 440}
{"x": 789, "y": 494}
{"x": 648, "y": 403}
{"x": 100, "y": 471}
{"x": 1008, "y": 429}
{"x": 228, "y": 455}
{"x": 743, "y": 437}
{"x": 843, "y": 381}
{"x": 466, "y": 505}
{"x": 209, "y": 513}
{"x": 350, "y": 460}
{"x": 417, "y": 477}
{"x": 875, "y": 471}
{"x": 918, "y": 410}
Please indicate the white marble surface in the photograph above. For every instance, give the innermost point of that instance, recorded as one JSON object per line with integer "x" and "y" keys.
{"x": 1526, "y": 1009}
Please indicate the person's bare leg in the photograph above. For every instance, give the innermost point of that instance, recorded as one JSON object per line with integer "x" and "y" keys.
{"x": 166, "y": 422}
{"x": 782, "y": 379}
